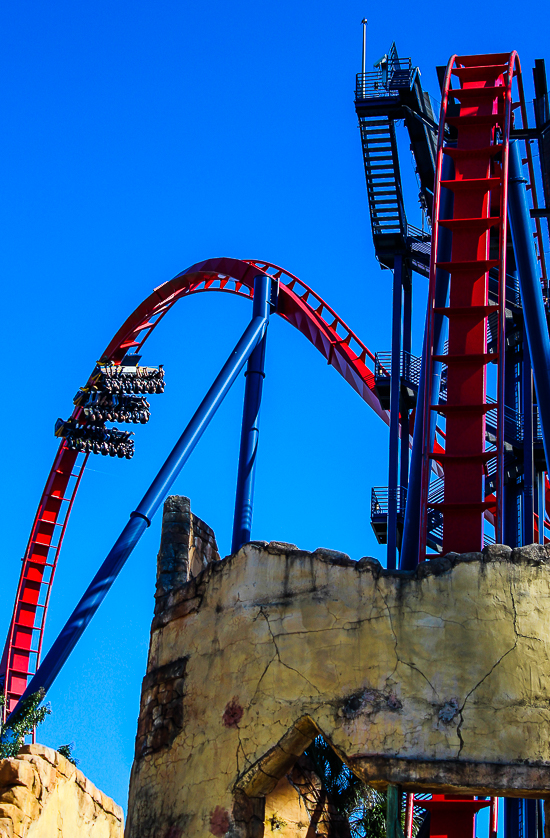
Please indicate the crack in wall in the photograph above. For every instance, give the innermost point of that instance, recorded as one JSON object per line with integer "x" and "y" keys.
{"x": 240, "y": 748}
{"x": 278, "y": 654}
{"x": 400, "y": 660}
{"x": 487, "y": 675}
{"x": 516, "y": 628}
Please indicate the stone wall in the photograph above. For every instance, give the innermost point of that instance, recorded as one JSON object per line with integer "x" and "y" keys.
{"x": 436, "y": 680}
{"x": 43, "y": 795}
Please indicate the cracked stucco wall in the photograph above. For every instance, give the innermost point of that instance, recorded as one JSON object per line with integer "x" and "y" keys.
{"x": 43, "y": 795}
{"x": 434, "y": 679}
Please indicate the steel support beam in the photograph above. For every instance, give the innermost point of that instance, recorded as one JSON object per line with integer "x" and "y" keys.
{"x": 407, "y": 344}
{"x": 512, "y": 401}
{"x": 528, "y": 530}
{"x": 395, "y": 387}
{"x": 411, "y": 528}
{"x": 536, "y": 327}
{"x": 523, "y": 818}
{"x": 513, "y": 817}
{"x": 255, "y": 374}
{"x": 540, "y": 504}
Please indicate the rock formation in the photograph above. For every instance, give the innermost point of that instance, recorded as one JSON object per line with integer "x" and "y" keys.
{"x": 43, "y": 795}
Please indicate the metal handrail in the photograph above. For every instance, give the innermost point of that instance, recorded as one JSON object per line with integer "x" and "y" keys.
{"x": 419, "y": 235}
{"x": 379, "y": 501}
{"x": 395, "y": 76}
{"x": 410, "y": 366}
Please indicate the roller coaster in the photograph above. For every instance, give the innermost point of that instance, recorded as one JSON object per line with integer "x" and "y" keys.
{"x": 469, "y": 420}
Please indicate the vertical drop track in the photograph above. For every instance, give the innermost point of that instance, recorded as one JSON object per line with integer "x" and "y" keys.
{"x": 480, "y": 126}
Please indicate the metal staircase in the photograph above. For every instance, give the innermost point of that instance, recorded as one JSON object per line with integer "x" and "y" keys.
{"x": 394, "y": 92}
{"x": 384, "y": 193}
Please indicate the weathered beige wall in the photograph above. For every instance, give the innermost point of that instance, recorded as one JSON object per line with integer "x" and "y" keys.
{"x": 439, "y": 677}
{"x": 285, "y": 813}
{"x": 43, "y": 795}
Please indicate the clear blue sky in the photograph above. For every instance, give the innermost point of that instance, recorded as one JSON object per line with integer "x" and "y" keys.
{"x": 139, "y": 138}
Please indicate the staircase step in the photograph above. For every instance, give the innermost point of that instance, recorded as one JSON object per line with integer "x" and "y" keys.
{"x": 372, "y": 131}
{"x": 370, "y": 124}
{"x": 371, "y": 140}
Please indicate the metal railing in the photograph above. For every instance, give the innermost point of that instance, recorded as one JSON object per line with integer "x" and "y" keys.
{"x": 537, "y": 427}
{"x": 395, "y": 75}
{"x": 540, "y": 108}
{"x": 410, "y": 366}
{"x": 419, "y": 236}
{"x": 435, "y": 516}
{"x": 513, "y": 421}
{"x": 379, "y": 510}
{"x": 420, "y": 245}
{"x": 513, "y": 424}
{"x": 432, "y": 107}
{"x": 379, "y": 501}
{"x": 513, "y": 293}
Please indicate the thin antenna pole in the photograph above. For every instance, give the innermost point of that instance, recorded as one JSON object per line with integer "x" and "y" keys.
{"x": 364, "y": 62}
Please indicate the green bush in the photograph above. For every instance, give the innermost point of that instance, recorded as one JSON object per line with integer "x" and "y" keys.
{"x": 28, "y": 716}
{"x": 67, "y": 752}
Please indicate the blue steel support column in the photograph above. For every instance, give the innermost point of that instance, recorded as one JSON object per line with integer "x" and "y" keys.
{"x": 407, "y": 343}
{"x": 540, "y": 819}
{"x": 244, "y": 498}
{"x": 393, "y": 472}
{"x": 540, "y": 505}
{"x": 536, "y": 327}
{"x": 543, "y": 501}
{"x": 532, "y": 818}
{"x": 528, "y": 530}
{"x": 512, "y": 516}
{"x": 411, "y": 528}
{"x": 141, "y": 518}
{"x": 513, "y": 817}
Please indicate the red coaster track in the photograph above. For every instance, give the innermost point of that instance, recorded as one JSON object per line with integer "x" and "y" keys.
{"x": 298, "y": 304}
{"x": 480, "y": 186}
